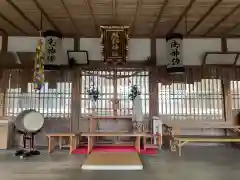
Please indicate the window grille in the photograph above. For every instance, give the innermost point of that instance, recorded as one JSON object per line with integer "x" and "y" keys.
{"x": 235, "y": 92}
{"x": 198, "y": 101}
{"x": 49, "y": 102}
{"x": 114, "y": 86}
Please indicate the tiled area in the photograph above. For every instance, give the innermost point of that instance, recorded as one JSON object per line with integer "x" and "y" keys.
{"x": 196, "y": 163}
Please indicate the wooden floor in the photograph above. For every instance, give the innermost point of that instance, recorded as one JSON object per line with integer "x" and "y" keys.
{"x": 113, "y": 161}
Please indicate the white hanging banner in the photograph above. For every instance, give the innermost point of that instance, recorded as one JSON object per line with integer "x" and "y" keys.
{"x": 54, "y": 53}
{"x": 174, "y": 56}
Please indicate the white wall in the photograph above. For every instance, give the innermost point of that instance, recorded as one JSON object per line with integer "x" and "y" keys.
{"x": 139, "y": 49}
{"x": 193, "y": 50}
{"x": 28, "y": 44}
{"x": 233, "y": 44}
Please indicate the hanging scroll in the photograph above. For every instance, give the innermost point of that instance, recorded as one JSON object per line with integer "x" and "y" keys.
{"x": 114, "y": 43}
{"x": 174, "y": 56}
{"x": 54, "y": 54}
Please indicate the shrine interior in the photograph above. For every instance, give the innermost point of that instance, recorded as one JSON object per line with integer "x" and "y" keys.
{"x": 157, "y": 81}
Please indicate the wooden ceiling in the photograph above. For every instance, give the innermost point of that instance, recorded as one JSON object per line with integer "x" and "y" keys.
{"x": 147, "y": 18}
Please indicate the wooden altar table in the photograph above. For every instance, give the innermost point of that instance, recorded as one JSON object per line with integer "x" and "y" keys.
{"x": 93, "y": 135}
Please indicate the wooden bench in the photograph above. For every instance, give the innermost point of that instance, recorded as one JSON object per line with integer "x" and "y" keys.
{"x": 179, "y": 140}
{"x": 73, "y": 139}
{"x": 172, "y": 129}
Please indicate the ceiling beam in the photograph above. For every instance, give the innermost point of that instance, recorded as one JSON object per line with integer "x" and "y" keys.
{"x": 71, "y": 19}
{"x": 10, "y": 2}
{"x": 132, "y": 26}
{"x": 13, "y": 24}
{"x": 222, "y": 20}
{"x": 97, "y": 29}
{"x": 188, "y": 7}
{"x": 231, "y": 29}
{"x": 46, "y": 16}
{"x": 204, "y": 16}
{"x": 114, "y": 9}
{"x": 159, "y": 17}
{"x": 2, "y": 31}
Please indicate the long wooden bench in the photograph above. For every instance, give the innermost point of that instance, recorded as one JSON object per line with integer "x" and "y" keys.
{"x": 173, "y": 129}
{"x": 179, "y": 140}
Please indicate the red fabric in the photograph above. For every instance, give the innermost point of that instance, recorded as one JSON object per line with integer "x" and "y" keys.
{"x": 83, "y": 150}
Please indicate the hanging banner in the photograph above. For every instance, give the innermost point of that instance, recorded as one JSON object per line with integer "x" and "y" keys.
{"x": 54, "y": 53}
{"x": 38, "y": 76}
{"x": 174, "y": 56}
{"x": 114, "y": 43}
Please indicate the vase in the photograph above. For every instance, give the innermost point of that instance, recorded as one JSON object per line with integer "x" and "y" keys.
{"x": 94, "y": 105}
{"x": 137, "y": 127}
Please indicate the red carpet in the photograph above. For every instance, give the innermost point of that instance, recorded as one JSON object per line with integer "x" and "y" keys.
{"x": 83, "y": 150}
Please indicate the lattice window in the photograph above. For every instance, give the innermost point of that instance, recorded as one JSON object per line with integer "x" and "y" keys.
{"x": 49, "y": 102}
{"x": 103, "y": 80}
{"x": 114, "y": 89}
{"x": 235, "y": 92}
{"x": 198, "y": 101}
{"x": 124, "y": 81}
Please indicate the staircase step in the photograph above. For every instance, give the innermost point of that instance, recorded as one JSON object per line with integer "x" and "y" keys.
{"x": 151, "y": 146}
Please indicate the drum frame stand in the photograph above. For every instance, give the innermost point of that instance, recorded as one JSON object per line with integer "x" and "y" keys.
{"x": 27, "y": 151}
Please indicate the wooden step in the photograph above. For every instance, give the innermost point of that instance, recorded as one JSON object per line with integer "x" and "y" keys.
{"x": 151, "y": 146}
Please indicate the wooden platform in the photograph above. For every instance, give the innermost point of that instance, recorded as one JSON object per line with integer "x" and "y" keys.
{"x": 113, "y": 161}
{"x": 93, "y": 135}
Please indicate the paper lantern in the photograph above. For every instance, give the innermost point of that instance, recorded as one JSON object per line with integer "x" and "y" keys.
{"x": 54, "y": 53}
{"x": 174, "y": 54}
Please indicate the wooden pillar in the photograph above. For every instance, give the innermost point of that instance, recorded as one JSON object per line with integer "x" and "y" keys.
{"x": 76, "y": 41}
{"x": 75, "y": 122}
{"x": 76, "y": 103}
{"x": 227, "y": 97}
{"x": 153, "y": 85}
{"x": 153, "y": 51}
{"x": 153, "y": 94}
{"x": 4, "y": 49}
{"x": 224, "y": 45}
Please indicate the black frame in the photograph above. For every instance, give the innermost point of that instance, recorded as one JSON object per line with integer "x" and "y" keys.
{"x": 77, "y": 51}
